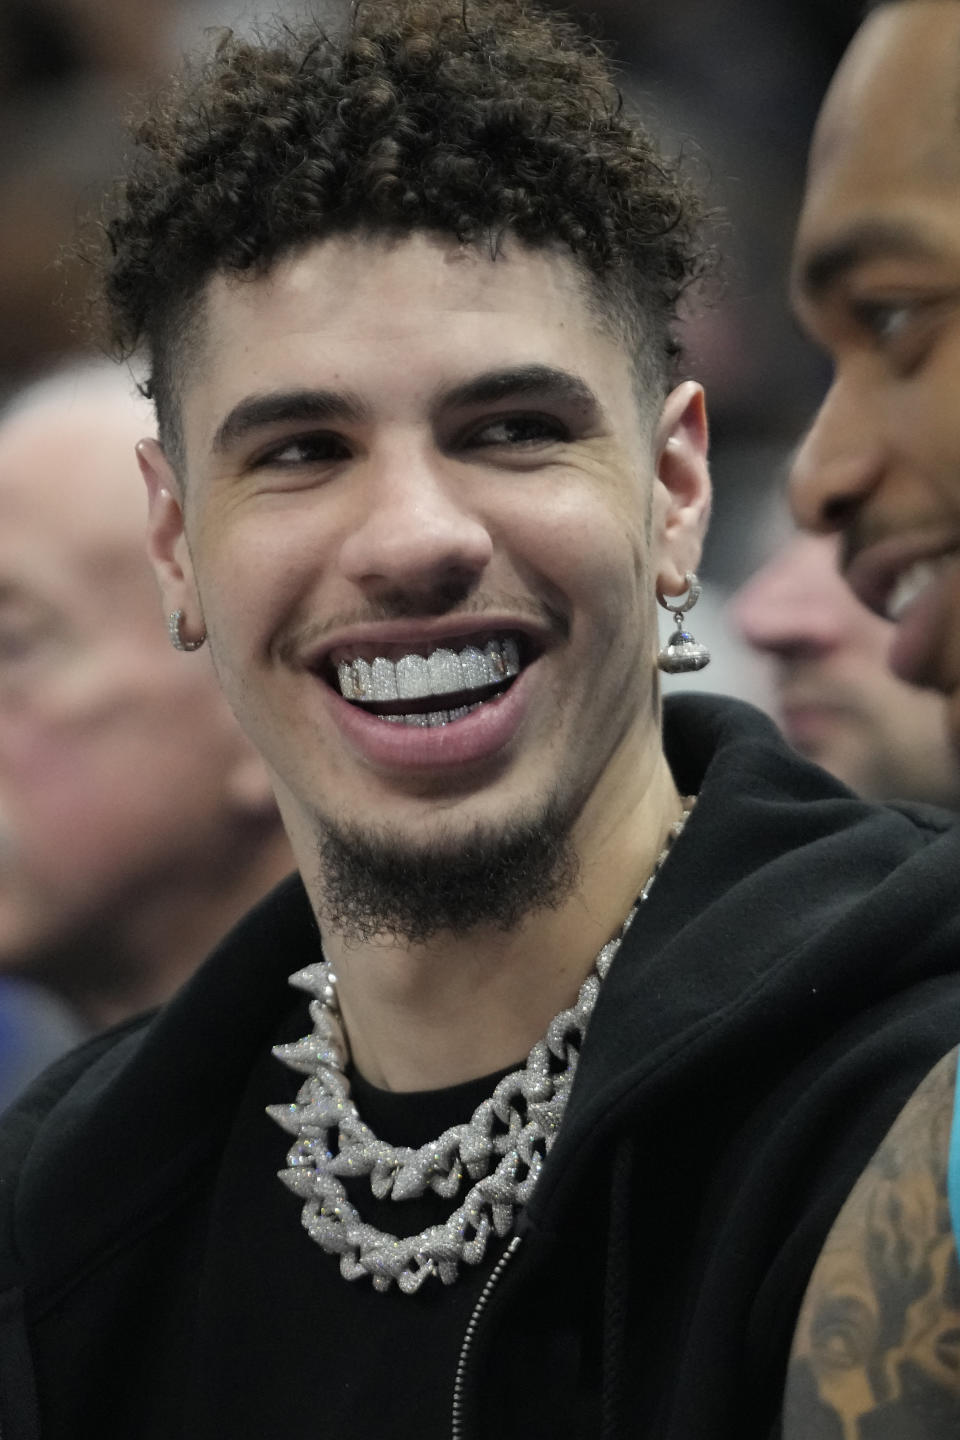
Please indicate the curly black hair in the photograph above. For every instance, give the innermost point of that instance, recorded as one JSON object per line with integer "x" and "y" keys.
{"x": 472, "y": 118}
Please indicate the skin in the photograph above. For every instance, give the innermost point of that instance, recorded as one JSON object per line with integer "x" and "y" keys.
{"x": 429, "y": 509}
{"x": 877, "y": 1349}
{"x": 877, "y": 285}
{"x": 136, "y": 822}
{"x": 837, "y": 702}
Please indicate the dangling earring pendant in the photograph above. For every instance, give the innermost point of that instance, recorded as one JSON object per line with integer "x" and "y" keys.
{"x": 174, "y": 624}
{"x": 682, "y": 652}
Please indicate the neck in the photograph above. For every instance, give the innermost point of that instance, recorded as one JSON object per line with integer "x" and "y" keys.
{"x": 425, "y": 1017}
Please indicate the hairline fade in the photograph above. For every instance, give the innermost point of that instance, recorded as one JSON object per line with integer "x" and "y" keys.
{"x": 476, "y": 119}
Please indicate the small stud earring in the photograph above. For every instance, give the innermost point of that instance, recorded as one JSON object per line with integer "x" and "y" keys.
{"x": 682, "y": 652}
{"x": 176, "y": 634}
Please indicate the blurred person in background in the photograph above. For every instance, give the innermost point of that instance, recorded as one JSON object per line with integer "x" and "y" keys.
{"x": 136, "y": 821}
{"x": 876, "y": 284}
{"x": 834, "y": 695}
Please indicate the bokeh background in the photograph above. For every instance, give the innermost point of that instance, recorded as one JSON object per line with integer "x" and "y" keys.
{"x": 734, "y": 85}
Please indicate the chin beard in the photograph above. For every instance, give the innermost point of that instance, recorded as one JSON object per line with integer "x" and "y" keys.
{"x": 376, "y": 882}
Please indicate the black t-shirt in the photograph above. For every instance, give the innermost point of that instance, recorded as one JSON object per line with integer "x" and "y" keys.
{"x": 352, "y": 1363}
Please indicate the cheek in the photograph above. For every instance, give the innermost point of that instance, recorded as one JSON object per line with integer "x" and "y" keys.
{"x": 63, "y": 812}
{"x": 926, "y": 430}
{"x": 591, "y": 540}
{"x": 253, "y": 569}
{"x": 948, "y": 458}
{"x": 55, "y": 767}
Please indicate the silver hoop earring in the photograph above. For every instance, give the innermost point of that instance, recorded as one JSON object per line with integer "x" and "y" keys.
{"x": 176, "y": 634}
{"x": 682, "y": 652}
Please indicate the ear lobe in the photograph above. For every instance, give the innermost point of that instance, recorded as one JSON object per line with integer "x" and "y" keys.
{"x": 166, "y": 540}
{"x": 682, "y": 492}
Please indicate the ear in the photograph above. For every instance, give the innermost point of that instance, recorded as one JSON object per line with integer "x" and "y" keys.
{"x": 166, "y": 539}
{"x": 682, "y": 488}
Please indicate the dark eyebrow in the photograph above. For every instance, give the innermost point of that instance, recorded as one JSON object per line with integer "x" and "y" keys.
{"x": 278, "y": 406}
{"x": 495, "y": 385}
{"x": 868, "y": 240}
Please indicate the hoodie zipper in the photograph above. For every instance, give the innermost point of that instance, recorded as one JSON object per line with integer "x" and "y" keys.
{"x": 493, "y": 1279}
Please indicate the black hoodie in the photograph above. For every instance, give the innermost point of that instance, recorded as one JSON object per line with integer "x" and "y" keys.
{"x": 790, "y": 980}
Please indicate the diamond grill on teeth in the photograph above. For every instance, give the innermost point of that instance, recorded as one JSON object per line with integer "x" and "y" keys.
{"x": 427, "y": 718}
{"x": 415, "y": 677}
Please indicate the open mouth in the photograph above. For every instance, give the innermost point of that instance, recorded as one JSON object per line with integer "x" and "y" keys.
{"x": 430, "y": 685}
{"x": 891, "y": 574}
{"x": 913, "y": 580}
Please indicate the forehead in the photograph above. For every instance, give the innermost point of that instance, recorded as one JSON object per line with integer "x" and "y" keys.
{"x": 884, "y": 169}
{"x": 70, "y": 495}
{"x": 392, "y": 317}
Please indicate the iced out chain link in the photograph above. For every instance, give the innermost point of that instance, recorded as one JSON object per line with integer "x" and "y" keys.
{"x": 501, "y": 1148}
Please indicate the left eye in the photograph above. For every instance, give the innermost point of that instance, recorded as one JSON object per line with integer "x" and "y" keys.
{"x": 519, "y": 430}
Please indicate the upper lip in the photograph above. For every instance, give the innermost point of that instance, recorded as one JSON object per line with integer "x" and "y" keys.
{"x": 455, "y": 631}
{"x": 873, "y": 570}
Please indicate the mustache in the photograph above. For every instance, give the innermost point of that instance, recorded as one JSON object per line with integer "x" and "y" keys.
{"x": 860, "y": 529}
{"x": 410, "y": 606}
{"x": 858, "y": 536}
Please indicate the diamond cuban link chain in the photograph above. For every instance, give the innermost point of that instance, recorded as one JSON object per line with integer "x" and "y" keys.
{"x": 502, "y": 1148}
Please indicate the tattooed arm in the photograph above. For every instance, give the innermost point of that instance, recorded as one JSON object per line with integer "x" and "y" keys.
{"x": 876, "y": 1353}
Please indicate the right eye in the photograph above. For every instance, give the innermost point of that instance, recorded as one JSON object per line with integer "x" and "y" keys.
{"x": 885, "y": 321}
{"x": 302, "y": 450}
{"x": 902, "y": 329}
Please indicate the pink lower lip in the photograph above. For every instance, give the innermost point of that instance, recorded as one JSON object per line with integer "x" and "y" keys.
{"x": 913, "y": 654}
{"x": 475, "y": 738}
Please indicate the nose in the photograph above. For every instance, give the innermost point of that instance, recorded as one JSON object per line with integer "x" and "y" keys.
{"x": 788, "y": 608}
{"x": 419, "y": 534}
{"x": 838, "y": 463}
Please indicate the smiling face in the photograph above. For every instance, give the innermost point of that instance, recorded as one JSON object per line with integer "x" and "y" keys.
{"x": 877, "y": 285}
{"x": 423, "y": 529}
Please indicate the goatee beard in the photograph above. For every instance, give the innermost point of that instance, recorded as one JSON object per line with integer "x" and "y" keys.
{"x": 375, "y": 883}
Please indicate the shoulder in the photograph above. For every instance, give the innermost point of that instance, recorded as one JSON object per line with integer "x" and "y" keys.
{"x": 876, "y": 1353}
{"x": 40, "y": 1105}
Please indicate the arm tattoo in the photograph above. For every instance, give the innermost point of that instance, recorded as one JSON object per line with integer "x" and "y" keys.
{"x": 876, "y": 1353}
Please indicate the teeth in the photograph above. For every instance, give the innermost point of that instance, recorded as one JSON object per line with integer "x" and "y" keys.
{"x": 493, "y": 655}
{"x": 910, "y": 583}
{"x": 363, "y": 679}
{"x": 430, "y": 718}
{"x": 413, "y": 678}
{"x": 473, "y": 666}
{"x": 347, "y": 676}
{"x": 444, "y": 672}
{"x": 384, "y": 679}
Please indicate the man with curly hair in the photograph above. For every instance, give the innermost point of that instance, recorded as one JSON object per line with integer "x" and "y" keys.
{"x": 566, "y": 1117}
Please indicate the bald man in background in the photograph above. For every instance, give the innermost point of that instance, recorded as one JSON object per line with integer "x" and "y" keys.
{"x": 136, "y": 822}
{"x": 835, "y": 697}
